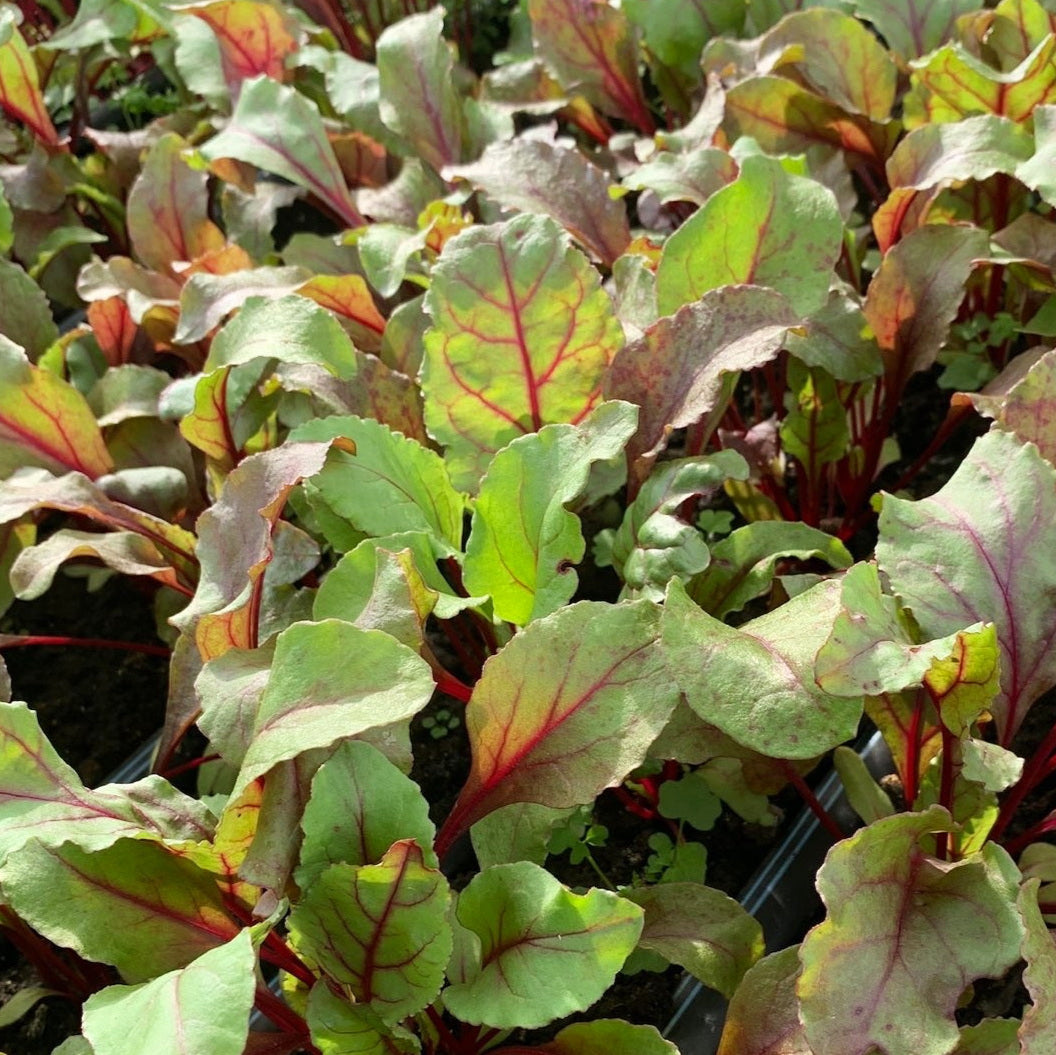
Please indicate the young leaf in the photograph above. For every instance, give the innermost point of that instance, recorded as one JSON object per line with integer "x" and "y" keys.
{"x": 606, "y": 1036}
{"x": 592, "y": 48}
{"x": 524, "y": 542}
{"x": 391, "y": 484}
{"x": 331, "y": 681}
{"x": 348, "y": 297}
{"x": 529, "y": 951}
{"x": 915, "y": 294}
{"x": 522, "y": 335}
{"x": 342, "y": 1028}
{"x": 978, "y": 550}
{"x": 700, "y": 929}
{"x": 360, "y": 805}
{"x": 20, "y": 94}
{"x": 693, "y": 176}
{"x": 677, "y": 372}
{"x": 255, "y": 37}
{"x": 531, "y": 175}
{"x": 279, "y": 130}
{"x": 168, "y": 218}
{"x": 418, "y": 97}
{"x": 380, "y": 929}
{"x": 203, "y": 1007}
{"x": 44, "y": 421}
{"x": 587, "y": 682}
{"x": 763, "y": 1016}
{"x": 653, "y": 545}
{"x": 743, "y": 565}
{"x": 767, "y": 228}
{"x": 133, "y": 904}
{"x": 872, "y": 975}
{"x": 913, "y": 27}
{"x": 27, "y": 317}
{"x": 756, "y": 683}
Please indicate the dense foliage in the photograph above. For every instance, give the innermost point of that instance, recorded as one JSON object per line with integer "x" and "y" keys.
{"x": 376, "y": 347}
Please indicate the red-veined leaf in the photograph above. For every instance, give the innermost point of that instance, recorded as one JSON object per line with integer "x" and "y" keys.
{"x": 20, "y": 94}
{"x": 115, "y": 330}
{"x": 914, "y": 27}
{"x": 522, "y": 335}
{"x": 587, "y": 683}
{"x": 763, "y": 1017}
{"x": 349, "y": 298}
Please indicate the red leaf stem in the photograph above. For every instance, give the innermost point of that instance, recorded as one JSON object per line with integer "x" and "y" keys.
{"x": 269, "y": 1005}
{"x": 1034, "y": 772}
{"x": 811, "y": 800}
{"x": 448, "y": 683}
{"x": 20, "y": 641}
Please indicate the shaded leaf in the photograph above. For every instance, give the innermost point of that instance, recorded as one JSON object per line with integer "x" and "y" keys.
{"x": 339, "y": 1027}
{"x": 522, "y": 334}
{"x": 1038, "y": 1031}
{"x": 692, "y": 176}
{"x": 756, "y": 682}
{"x": 763, "y": 1017}
{"x": 677, "y": 372}
{"x": 528, "y": 950}
{"x": 872, "y": 974}
{"x": 586, "y": 682}
{"x": 977, "y": 550}
{"x": 524, "y": 542}
{"x": 133, "y": 904}
{"x": 27, "y": 317}
{"x": 608, "y": 1037}
{"x": 168, "y": 218}
{"x": 531, "y": 175}
{"x": 700, "y": 929}
{"x": 418, "y": 99}
{"x": 279, "y": 130}
{"x": 838, "y": 340}
{"x": 743, "y": 565}
{"x": 914, "y": 296}
{"x": 202, "y": 1008}
{"x": 767, "y": 228}
{"x": 360, "y": 805}
{"x": 912, "y": 28}
{"x": 380, "y": 929}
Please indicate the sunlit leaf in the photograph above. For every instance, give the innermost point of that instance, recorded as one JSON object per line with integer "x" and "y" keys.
{"x": 524, "y": 542}
{"x": 522, "y": 334}
{"x": 20, "y": 94}
{"x": 203, "y": 1007}
{"x": 766, "y": 228}
{"x": 586, "y": 682}
{"x": 278, "y": 129}
{"x": 608, "y": 1037}
{"x": 591, "y": 46}
{"x": 380, "y": 929}
{"x": 528, "y": 950}
{"x": 872, "y": 975}
{"x": 348, "y": 297}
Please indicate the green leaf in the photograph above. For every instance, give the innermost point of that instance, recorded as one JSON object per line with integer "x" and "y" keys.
{"x": 380, "y": 929}
{"x": 528, "y": 950}
{"x": 42, "y": 798}
{"x": 914, "y": 27}
{"x": 23, "y": 1001}
{"x": 202, "y": 1009}
{"x": 597, "y": 57}
{"x": 914, "y": 296}
{"x": 518, "y": 832}
{"x": 103, "y": 21}
{"x": 873, "y": 976}
{"x": 330, "y": 681}
{"x": 339, "y": 1027}
{"x": 360, "y": 805}
{"x": 1037, "y": 173}
{"x": 291, "y": 329}
{"x": 978, "y": 549}
{"x": 391, "y": 484}
{"x": 838, "y": 340}
{"x": 133, "y": 904}
{"x": 701, "y": 929}
{"x": 682, "y": 370}
{"x": 767, "y": 228}
{"x": 522, "y": 336}
{"x": 693, "y": 176}
{"x": 586, "y": 682}
{"x": 756, "y": 683}
{"x": 1038, "y": 1032}
{"x": 7, "y": 221}
{"x": 690, "y": 799}
{"x": 27, "y": 317}
{"x": 524, "y": 542}
{"x": 763, "y": 1017}
{"x": 279, "y": 130}
{"x": 653, "y": 545}
{"x": 814, "y": 429}
{"x": 418, "y": 97}
{"x": 866, "y": 797}
{"x": 608, "y": 1037}
{"x": 743, "y": 566}
{"x": 531, "y": 175}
